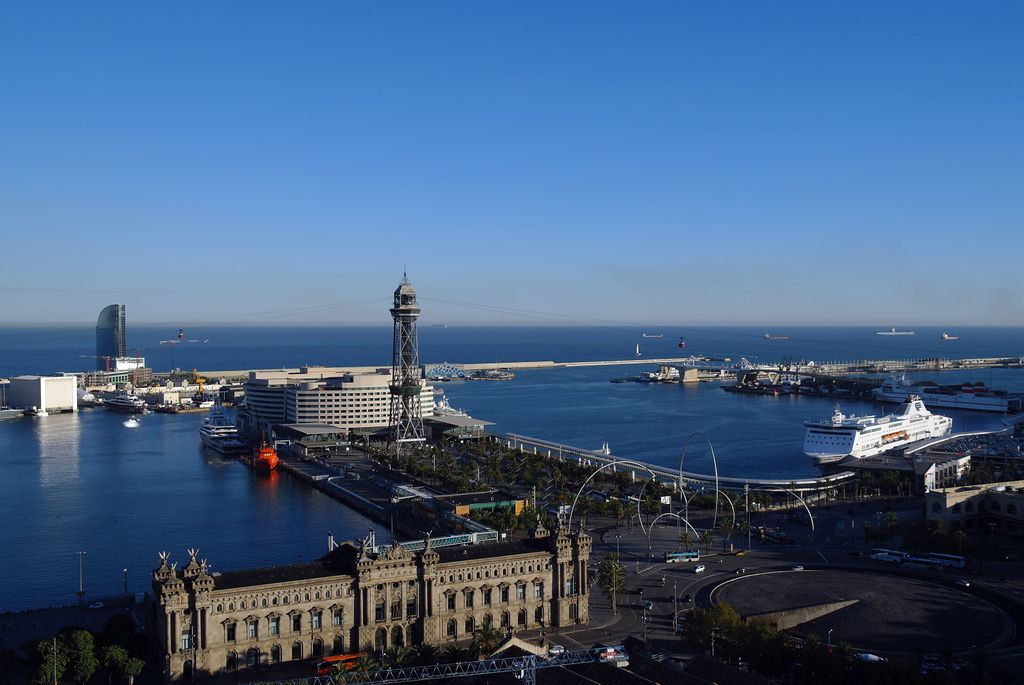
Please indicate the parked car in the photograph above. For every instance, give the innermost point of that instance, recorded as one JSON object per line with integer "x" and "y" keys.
{"x": 556, "y": 650}
{"x": 699, "y": 568}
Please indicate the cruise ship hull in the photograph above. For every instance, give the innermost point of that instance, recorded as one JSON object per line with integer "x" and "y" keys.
{"x": 964, "y": 401}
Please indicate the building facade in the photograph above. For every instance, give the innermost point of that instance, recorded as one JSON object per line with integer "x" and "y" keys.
{"x": 356, "y": 600}
{"x": 322, "y": 395}
{"x": 991, "y": 507}
{"x": 44, "y": 393}
{"x": 111, "y": 342}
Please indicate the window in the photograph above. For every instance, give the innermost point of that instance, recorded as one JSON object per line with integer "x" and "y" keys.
{"x": 186, "y": 640}
{"x": 451, "y": 629}
{"x": 317, "y": 619}
{"x": 396, "y": 611}
{"x": 275, "y": 654}
{"x": 232, "y": 662}
{"x": 451, "y": 601}
{"x": 538, "y": 590}
{"x": 230, "y": 632}
{"x": 504, "y": 619}
{"x": 296, "y": 651}
{"x": 504, "y": 594}
{"x": 252, "y": 629}
{"x": 337, "y": 617}
{"x": 470, "y": 625}
{"x": 410, "y": 606}
{"x": 275, "y": 625}
{"x": 296, "y": 623}
{"x": 520, "y": 592}
{"x": 378, "y": 612}
{"x": 487, "y": 597}
{"x": 469, "y": 599}
{"x": 538, "y": 614}
{"x": 521, "y": 617}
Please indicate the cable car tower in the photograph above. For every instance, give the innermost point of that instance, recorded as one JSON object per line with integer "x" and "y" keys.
{"x": 406, "y": 381}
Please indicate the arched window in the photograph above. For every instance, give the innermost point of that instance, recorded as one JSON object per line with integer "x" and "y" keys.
{"x": 504, "y": 619}
{"x": 275, "y": 654}
{"x": 232, "y": 663}
{"x": 339, "y": 645}
{"x": 451, "y": 630}
{"x": 318, "y": 648}
{"x": 273, "y": 601}
{"x": 470, "y": 625}
{"x": 397, "y": 637}
{"x": 488, "y": 621}
{"x": 264, "y": 602}
{"x": 220, "y": 608}
{"x": 296, "y": 651}
{"x": 380, "y": 639}
{"x": 521, "y": 618}
{"x": 538, "y": 614}
{"x": 252, "y": 657}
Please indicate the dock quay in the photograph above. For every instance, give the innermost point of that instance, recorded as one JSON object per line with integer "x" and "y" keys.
{"x": 667, "y": 476}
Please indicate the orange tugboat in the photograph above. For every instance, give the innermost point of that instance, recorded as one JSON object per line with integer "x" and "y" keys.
{"x": 266, "y": 459}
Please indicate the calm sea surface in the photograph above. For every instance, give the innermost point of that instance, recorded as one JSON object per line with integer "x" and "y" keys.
{"x": 84, "y": 482}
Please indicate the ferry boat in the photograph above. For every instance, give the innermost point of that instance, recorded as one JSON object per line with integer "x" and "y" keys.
{"x": 218, "y": 433}
{"x": 971, "y": 396}
{"x": 893, "y": 331}
{"x": 652, "y": 335}
{"x": 442, "y": 408}
{"x": 772, "y": 336}
{"x": 947, "y": 336}
{"x": 843, "y": 436}
{"x": 126, "y": 402}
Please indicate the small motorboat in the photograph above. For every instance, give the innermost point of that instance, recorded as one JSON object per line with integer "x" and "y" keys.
{"x": 131, "y": 423}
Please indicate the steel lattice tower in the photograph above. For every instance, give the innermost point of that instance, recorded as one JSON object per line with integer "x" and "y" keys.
{"x": 406, "y": 384}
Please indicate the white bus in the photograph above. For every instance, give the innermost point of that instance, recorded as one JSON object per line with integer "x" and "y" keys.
{"x": 951, "y": 560}
{"x": 890, "y": 552}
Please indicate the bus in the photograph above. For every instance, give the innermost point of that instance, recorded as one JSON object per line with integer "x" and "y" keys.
{"x": 676, "y": 557}
{"x": 923, "y": 562}
{"x": 951, "y": 560}
{"x": 346, "y": 662}
{"x": 889, "y": 552}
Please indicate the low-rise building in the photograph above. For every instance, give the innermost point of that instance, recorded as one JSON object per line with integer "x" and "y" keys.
{"x": 359, "y": 599}
{"x": 43, "y": 393}
{"x": 969, "y": 507}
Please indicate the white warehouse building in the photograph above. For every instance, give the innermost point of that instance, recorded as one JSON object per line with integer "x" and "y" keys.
{"x": 43, "y": 393}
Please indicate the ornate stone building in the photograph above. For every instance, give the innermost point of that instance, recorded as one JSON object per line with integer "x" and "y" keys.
{"x": 352, "y": 600}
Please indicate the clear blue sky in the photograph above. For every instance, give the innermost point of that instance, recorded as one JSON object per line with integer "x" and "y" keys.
{"x": 841, "y": 162}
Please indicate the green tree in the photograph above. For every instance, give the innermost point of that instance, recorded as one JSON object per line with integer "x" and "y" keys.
{"x": 611, "y": 578}
{"x": 707, "y": 538}
{"x": 397, "y": 656}
{"x": 115, "y": 657}
{"x": 54, "y": 660}
{"x": 426, "y": 653}
{"x": 454, "y": 652}
{"x": 82, "y": 661}
{"x": 485, "y": 639}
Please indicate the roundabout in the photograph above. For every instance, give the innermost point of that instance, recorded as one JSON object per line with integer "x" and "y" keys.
{"x": 892, "y": 614}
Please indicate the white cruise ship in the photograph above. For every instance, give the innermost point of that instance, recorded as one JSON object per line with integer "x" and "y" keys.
{"x": 126, "y": 402}
{"x": 972, "y": 396}
{"x": 218, "y": 433}
{"x": 844, "y": 436}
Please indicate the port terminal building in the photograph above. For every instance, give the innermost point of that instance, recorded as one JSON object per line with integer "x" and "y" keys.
{"x": 365, "y": 598}
{"x": 999, "y": 506}
{"x": 321, "y": 395}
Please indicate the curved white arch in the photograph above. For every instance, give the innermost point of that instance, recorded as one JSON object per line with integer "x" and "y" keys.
{"x": 714, "y": 461}
{"x": 675, "y": 516}
{"x": 808, "y": 509}
{"x": 636, "y": 464}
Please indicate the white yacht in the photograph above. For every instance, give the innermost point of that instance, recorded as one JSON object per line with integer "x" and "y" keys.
{"x": 893, "y": 331}
{"x": 972, "y": 396}
{"x": 845, "y": 436}
{"x": 218, "y": 433}
{"x": 126, "y": 402}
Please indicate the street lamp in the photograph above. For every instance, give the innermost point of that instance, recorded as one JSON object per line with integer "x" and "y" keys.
{"x": 81, "y": 584}
{"x": 617, "y": 538}
{"x": 675, "y": 607}
{"x": 830, "y": 636}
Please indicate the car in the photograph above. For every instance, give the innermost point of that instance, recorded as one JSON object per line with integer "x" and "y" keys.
{"x": 96, "y": 605}
{"x": 963, "y": 582}
{"x": 699, "y": 568}
{"x": 648, "y": 605}
{"x": 740, "y": 571}
{"x": 556, "y": 650}
{"x": 798, "y": 567}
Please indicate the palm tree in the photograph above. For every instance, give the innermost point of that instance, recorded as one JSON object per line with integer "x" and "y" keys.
{"x": 363, "y": 664}
{"x": 959, "y": 538}
{"x": 707, "y": 538}
{"x": 685, "y": 539}
{"x": 426, "y": 653}
{"x": 485, "y": 639}
{"x": 397, "y": 656}
{"x": 611, "y": 578}
{"x": 454, "y": 652}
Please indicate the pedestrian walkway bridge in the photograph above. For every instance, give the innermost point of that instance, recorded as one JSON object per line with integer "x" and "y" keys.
{"x": 666, "y": 475}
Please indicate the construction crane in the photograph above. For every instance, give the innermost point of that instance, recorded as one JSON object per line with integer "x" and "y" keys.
{"x": 181, "y": 340}
{"x": 106, "y": 359}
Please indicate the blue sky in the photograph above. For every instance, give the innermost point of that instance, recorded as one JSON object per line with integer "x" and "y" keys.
{"x": 652, "y": 162}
